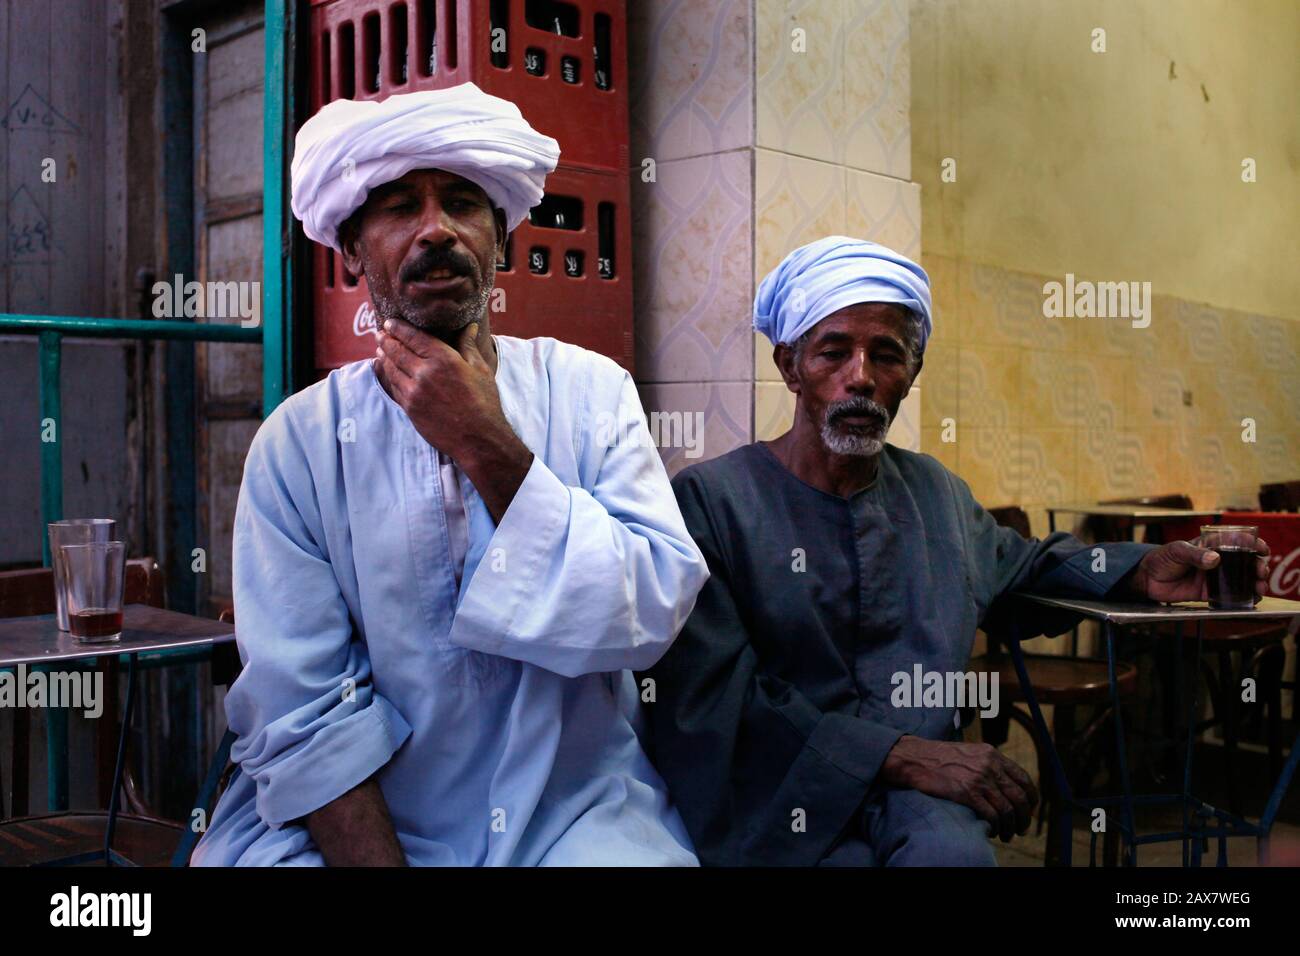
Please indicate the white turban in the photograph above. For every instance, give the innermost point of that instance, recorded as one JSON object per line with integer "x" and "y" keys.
{"x": 834, "y": 273}
{"x": 351, "y": 146}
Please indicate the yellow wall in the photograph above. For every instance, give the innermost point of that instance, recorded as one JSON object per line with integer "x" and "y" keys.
{"x": 1100, "y": 163}
{"x": 1111, "y": 166}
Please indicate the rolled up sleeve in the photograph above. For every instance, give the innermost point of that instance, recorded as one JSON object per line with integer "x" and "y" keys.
{"x": 309, "y": 721}
{"x": 587, "y": 579}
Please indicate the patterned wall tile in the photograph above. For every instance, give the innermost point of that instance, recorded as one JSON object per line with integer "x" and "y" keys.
{"x": 800, "y": 95}
{"x": 1004, "y": 308}
{"x": 877, "y": 87}
{"x": 932, "y": 443}
{"x": 1101, "y": 385}
{"x": 940, "y": 377}
{"x": 1276, "y": 455}
{"x": 1156, "y": 393}
{"x": 1263, "y": 343}
{"x": 1209, "y": 403}
{"x": 773, "y": 410}
{"x": 796, "y": 201}
{"x": 1111, "y": 464}
{"x": 695, "y": 421}
{"x": 1120, "y": 337}
{"x": 1201, "y": 328}
{"x": 692, "y": 77}
{"x": 1048, "y": 391}
{"x": 1047, "y": 461}
{"x": 986, "y": 459}
{"x": 1178, "y": 475}
{"x": 989, "y": 388}
{"x": 1118, "y": 390}
{"x": 765, "y": 369}
{"x": 693, "y": 264}
{"x": 905, "y": 431}
{"x": 884, "y": 210}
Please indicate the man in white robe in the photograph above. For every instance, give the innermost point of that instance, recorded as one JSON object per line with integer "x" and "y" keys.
{"x": 442, "y": 577}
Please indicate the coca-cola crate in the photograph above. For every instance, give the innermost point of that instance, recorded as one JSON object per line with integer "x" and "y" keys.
{"x": 567, "y": 274}
{"x": 565, "y": 66}
{"x": 564, "y": 62}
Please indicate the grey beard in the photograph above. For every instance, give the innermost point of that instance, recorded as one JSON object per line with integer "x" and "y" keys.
{"x": 863, "y": 443}
{"x": 472, "y": 311}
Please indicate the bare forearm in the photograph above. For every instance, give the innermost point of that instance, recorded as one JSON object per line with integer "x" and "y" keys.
{"x": 497, "y": 467}
{"x": 356, "y": 829}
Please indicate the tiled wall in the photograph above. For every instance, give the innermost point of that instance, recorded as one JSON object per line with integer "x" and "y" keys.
{"x": 1120, "y": 165}
{"x": 1051, "y": 410}
{"x": 757, "y": 149}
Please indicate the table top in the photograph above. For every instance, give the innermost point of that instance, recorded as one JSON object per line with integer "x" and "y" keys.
{"x": 36, "y": 639}
{"x": 1136, "y": 512}
{"x": 1149, "y": 612}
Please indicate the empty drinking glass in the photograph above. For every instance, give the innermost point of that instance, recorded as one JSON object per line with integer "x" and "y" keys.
{"x": 73, "y": 531}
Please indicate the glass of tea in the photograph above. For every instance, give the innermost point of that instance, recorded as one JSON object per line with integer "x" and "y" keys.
{"x": 96, "y": 576}
{"x": 1230, "y": 584}
{"x": 72, "y": 531}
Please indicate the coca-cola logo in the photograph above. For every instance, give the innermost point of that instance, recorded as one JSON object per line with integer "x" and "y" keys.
{"x": 364, "y": 321}
{"x": 1285, "y": 578}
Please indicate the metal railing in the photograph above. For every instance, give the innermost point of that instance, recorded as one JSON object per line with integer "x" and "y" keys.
{"x": 274, "y": 333}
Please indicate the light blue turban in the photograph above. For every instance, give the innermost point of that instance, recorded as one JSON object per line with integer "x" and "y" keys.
{"x": 831, "y": 274}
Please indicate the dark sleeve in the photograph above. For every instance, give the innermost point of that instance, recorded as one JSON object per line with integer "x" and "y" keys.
{"x": 1060, "y": 565}
{"x": 743, "y": 752}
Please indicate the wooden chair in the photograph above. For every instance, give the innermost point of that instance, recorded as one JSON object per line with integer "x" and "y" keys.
{"x": 1273, "y": 497}
{"x": 1242, "y": 649}
{"x": 1067, "y": 683}
{"x": 225, "y": 668}
{"x": 34, "y": 839}
{"x": 1280, "y": 496}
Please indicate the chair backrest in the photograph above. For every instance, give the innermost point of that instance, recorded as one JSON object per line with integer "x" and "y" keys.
{"x": 1273, "y": 497}
{"x": 1293, "y": 496}
{"x": 1013, "y": 517}
{"x": 1109, "y": 529}
{"x": 31, "y": 590}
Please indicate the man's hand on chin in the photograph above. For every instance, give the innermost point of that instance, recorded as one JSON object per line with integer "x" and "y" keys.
{"x": 450, "y": 395}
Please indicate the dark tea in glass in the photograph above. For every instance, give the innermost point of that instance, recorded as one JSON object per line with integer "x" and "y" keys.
{"x": 1230, "y": 585}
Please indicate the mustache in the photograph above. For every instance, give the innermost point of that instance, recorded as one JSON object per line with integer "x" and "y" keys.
{"x": 437, "y": 258}
{"x": 856, "y": 406}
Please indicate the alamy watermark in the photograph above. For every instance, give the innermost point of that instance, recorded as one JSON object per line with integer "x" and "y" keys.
{"x": 76, "y": 690}
{"x": 657, "y": 430}
{"x": 1101, "y": 300}
{"x": 208, "y": 300}
{"x": 946, "y": 689}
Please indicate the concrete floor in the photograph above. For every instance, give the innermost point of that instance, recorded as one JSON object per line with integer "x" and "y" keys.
{"x": 1029, "y": 849}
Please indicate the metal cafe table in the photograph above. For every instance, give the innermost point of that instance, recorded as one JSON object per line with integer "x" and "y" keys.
{"x": 36, "y": 641}
{"x": 1196, "y": 813}
{"x": 1134, "y": 515}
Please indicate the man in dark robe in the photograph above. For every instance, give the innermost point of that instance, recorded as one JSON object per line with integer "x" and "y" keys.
{"x": 839, "y": 564}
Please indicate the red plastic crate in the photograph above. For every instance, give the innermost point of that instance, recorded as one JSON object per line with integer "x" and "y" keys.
{"x": 590, "y": 123}
{"x": 370, "y": 49}
{"x": 588, "y": 309}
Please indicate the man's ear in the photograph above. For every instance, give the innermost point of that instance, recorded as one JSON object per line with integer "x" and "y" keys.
{"x": 499, "y": 216}
{"x": 920, "y": 361}
{"x": 350, "y": 244}
{"x": 783, "y": 356}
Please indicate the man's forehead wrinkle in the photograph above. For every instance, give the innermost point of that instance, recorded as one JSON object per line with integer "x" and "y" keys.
{"x": 388, "y": 189}
{"x": 843, "y": 335}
